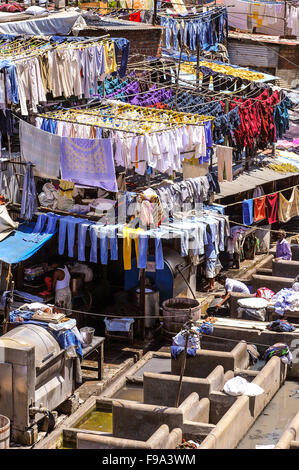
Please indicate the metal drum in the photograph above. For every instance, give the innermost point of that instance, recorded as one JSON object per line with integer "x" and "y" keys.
{"x": 176, "y": 313}
{"x": 151, "y": 306}
{"x": 45, "y": 344}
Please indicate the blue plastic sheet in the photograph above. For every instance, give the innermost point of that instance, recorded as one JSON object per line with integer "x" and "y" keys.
{"x": 18, "y": 247}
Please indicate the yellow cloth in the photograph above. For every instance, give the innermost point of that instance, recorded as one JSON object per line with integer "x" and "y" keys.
{"x": 288, "y": 209}
{"x": 128, "y": 235}
{"x": 190, "y": 67}
{"x": 109, "y": 55}
{"x": 66, "y": 188}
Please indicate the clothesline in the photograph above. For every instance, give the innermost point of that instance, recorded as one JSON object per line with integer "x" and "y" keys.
{"x": 270, "y": 194}
{"x": 261, "y": 228}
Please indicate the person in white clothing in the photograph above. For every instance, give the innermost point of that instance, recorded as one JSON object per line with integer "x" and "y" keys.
{"x": 61, "y": 284}
{"x": 231, "y": 285}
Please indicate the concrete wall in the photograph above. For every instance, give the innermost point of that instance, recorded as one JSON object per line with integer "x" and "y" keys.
{"x": 161, "y": 439}
{"x": 284, "y": 268}
{"x": 206, "y": 361}
{"x": 241, "y": 415}
{"x": 162, "y": 389}
{"x": 266, "y": 337}
{"x": 295, "y": 252}
{"x": 220, "y": 403}
{"x": 290, "y": 435}
{"x": 139, "y": 421}
{"x": 272, "y": 282}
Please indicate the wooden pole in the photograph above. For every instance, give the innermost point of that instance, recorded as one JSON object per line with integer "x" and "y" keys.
{"x": 142, "y": 302}
{"x": 155, "y": 12}
{"x": 285, "y": 19}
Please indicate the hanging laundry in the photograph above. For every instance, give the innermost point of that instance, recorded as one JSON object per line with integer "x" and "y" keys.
{"x": 272, "y": 208}
{"x": 288, "y": 209}
{"x": 225, "y": 162}
{"x": 128, "y": 235}
{"x": 41, "y": 148}
{"x": 260, "y": 209}
{"x": 89, "y": 162}
{"x": 29, "y": 197}
{"x": 66, "y": 188}
{"x": 247, "y": 211}
{"x": 135, "y": 17}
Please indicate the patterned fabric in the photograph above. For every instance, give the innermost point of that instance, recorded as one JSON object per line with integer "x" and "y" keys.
{"x": 281, "y": 325}
{"x": 278, "y": 349}
{"x": 41, "y": 148}
{"x": 88, "y": 161}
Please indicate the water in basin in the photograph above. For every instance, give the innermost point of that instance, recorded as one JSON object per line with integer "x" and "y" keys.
{"x": 96, "y": 420}
{"x": 158, "y": 365}
{"x": 130, "y": 392}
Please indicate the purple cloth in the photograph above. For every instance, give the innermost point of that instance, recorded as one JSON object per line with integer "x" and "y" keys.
{"x": 283, "y": 250}
{"x": 89, "y": 162}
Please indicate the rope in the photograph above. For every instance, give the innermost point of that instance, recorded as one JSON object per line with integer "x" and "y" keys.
{"x": 269, "y": 194}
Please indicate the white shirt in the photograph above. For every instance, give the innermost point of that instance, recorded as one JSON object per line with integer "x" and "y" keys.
{"x": 231, "y": 285}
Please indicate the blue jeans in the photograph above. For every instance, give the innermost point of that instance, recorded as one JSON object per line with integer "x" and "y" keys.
{"x": 143, "y": 243}
{"x": 82, "y": 230}
{"x": 192, "y": 34}
{"x": 122, "y": 44}
{"x": 159, "y": 252}
{"x": 173, "y": 25}
{"x": 165, "y": 22}
{"x": 68, "y": 223}
{"x": 113, "y": 244}
{"x": 93, "y": 232}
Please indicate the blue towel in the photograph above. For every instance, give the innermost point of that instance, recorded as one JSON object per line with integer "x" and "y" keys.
{"x": 248, "y": 211}
{"x": 177, "y": 350}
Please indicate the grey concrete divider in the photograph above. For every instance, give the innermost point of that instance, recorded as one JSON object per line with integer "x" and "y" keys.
{"x": 295, "y": 252}
{"x": 161, "y": 439}
{"x": 205, "y": 361}
{"x": 162, "y": 389}
{"x": 220, "y": 403}
{"x": 233, "y": 302}
{"x": 196, "y": 430}
{"x": 294, "y": 445}
{"x": 241, "y": 415}
{"x": 289, "y": 435}
{"x": 274, "y": 283}
{"x": 263, "y": 339}
{"x": 195, "y": 409}
{"x": 285, "y": 268}
{"x": 139, "y": 421}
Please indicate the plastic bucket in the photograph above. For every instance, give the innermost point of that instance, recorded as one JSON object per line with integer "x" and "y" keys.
{"x": 87, "y": 335}
{"x": 4, "y": 432}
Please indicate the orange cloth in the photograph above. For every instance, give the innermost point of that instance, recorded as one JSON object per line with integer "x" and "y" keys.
{"x": 259, "y": 209}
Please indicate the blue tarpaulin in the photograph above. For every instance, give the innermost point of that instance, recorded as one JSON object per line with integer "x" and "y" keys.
{"x": 22, "y": 244}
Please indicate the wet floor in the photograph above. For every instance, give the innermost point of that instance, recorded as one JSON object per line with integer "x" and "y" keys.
{"x": 275, "y": 418}
{"x": 130, "y": 392}
{"x": 157, "y": 365}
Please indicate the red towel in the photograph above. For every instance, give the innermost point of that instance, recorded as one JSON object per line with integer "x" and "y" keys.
{"x": 272, "y": 208}
{"x": 135, "y": 17}
{"x": 260, "y": 208}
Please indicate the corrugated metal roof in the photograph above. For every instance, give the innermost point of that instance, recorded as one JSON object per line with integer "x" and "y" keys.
{"x": 263, "y": 38}
{"x": 249, "y": 180}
